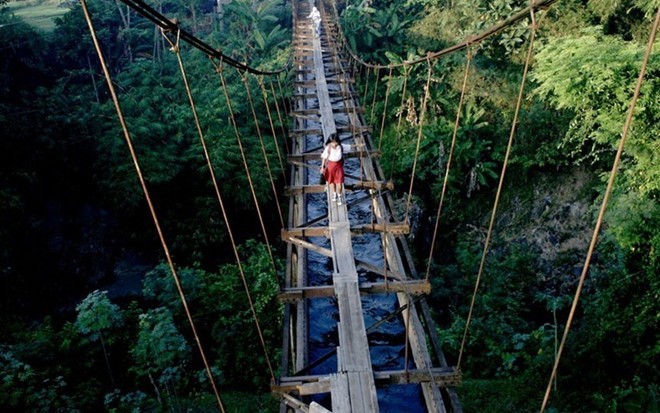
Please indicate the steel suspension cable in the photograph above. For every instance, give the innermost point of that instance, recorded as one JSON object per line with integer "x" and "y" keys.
{"x": 449, "y": 159}
{"x": 177, "y": 51}
{"x": 263, "y": 147}
{"x": 219, "y": 69}
{"x": 272, "y": 126}
{"x": 419, "y": 136}
{"x": 152, "y": 210}
{"x": 603, "y": 207}
{"x": 382, "y": 121}
{"x": 500, "y": 184}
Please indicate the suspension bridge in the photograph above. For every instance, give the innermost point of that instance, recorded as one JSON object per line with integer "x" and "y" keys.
{"x": 330, "y": 274}
{"x": 324, "y": 103}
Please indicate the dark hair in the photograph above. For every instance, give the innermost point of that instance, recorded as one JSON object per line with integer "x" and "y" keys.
{"x": 333, "y": 138}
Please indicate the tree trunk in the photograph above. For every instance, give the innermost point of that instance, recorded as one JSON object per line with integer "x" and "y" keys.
{"x": 107, "y": 361}
{"x": 127, "y": 25}
{"x": 153, "y": 383}
{"x": 91, "y": 74}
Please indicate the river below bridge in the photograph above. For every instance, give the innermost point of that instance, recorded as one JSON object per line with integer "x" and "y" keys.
{"x": 386, "y": 341}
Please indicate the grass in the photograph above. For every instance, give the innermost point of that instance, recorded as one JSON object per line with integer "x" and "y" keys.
{"x": 40, "y": 14}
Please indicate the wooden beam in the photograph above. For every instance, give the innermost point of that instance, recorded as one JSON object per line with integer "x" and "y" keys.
{"x": 304, "y": 232}
{"x": 415, "y": 287}
{"x": 380, "y": 270}
{"x": 311, "y": 231}
{"x": 336, "y": 94}
{"x": 352, "y": 154}
{"x": 340, "y": 129}
{"x": 315, "y": 189}
{"x": 316, "y": 111}
{"x": 442, "y": 376}
{"x": 308, "y": 245}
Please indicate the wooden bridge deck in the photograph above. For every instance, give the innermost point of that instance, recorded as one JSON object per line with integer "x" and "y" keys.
{"x": 320, "y": 82}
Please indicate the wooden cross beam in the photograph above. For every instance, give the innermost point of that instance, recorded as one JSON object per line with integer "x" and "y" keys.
{"x": 352, "y": 154}
{"x": 415, "y": 287}
{"x": 390, "y": 228}
{"x": 315, "y": 384}
{"x": 315, "y": 189}
{"x": 340, "y": 129}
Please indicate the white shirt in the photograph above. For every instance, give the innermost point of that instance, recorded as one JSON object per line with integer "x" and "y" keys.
{"x": 315, "y": 15}
{"x": 334, "y": 154}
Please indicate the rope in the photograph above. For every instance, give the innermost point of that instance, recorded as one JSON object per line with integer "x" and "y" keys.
{"x": 279, "y": 85}
{"x": 219, "y": 69}
{"x": 407, "y": 342}
{"x": 419, "y": 137}
{"x": 520, "y": 15}
{"x": 173, "y": 27}
{"x": 263, "y": 147}
{"x": 177, "y": 51}
{"x": 373, "y": 99}
{"x": 500, "y": 184}
{"x": 277, "y": 108}
{"x": 272, "y": 126}
{"x": 154, "y": 217}
{"x": 398, "y": 124}
{"x": 608, "y": 192}
{"x": 366, "y": 85}
{"x": 451, "y": 153}
{"x": 382, "y": 122}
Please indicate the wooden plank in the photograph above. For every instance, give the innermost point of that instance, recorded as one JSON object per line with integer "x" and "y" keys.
{"x": 315, "y": 189}
{"x": 304, "y": 232}
{"x": 340, "y": 397}
{"x": 414, "y": 287}
{"x": 332, "y": 94}
{"x": 442, "y": 376}
{"x": 309, "y": 246}
{"x": 398, "y": 228}
{"x": 391, "y": 274}
{"x": 316, "y": 111}
{"x": 340, "y": 129}
{"x": 317, "y": 408}
{"x": 321, "y": 386}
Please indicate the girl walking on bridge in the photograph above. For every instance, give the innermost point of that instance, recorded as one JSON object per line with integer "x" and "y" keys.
{"x": 332, "y": 166}
{"x": 315, "y": 15}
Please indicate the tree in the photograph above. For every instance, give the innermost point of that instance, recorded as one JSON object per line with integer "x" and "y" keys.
{"x": 593, "y": 76}
{"x": 96, "y": 315}
{"x": 160, "y": 351}
{"x": 218, "y": 297}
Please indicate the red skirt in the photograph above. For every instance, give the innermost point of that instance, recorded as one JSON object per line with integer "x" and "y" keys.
{"x": 334, "y": 172}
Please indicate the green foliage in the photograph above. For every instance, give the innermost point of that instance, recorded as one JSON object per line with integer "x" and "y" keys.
{"x": 593, "y": 76}
{"x": 379, "y": 28}
{"x": 221, "y": 300}
{"x": 515, "y": 395}
{"x": 160, "y": 350}
{"x": 96, "y": 314}
{"x": 254, "y": 31}
{"x": 441, "y": 26}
